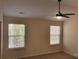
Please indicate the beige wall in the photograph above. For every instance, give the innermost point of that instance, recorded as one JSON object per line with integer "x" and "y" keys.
{"x": 0, "y": 36}
{"x": 1, "y": 13}
{"x": 37, "y": 38}
{"x": 1, "y": 18}
{"x": 70, "y": 36}
{"x": 0, "y": 39}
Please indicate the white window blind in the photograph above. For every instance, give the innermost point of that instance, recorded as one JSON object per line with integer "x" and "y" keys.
{"x": 16, "y": 35}
{"x": 54, "y": 35}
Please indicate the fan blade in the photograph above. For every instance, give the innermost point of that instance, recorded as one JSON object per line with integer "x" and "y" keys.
{"x": 62, "y": 16}
{"x": 69, "y": 14}
{"x": 65, "y": 16}
{"x": 57, "y": 15}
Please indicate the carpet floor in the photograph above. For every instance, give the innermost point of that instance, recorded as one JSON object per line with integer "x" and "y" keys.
{"x": 60, "y": 55}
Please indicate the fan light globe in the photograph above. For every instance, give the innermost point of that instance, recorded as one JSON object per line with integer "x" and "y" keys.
{"x": 59, "y": 17}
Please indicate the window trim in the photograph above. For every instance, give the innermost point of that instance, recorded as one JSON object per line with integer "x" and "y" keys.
{"x": 24, "y": 37}
{"x": 59, "y": 36}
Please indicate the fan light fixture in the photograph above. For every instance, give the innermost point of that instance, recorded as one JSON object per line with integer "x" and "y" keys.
{"x": 59, "y": 17}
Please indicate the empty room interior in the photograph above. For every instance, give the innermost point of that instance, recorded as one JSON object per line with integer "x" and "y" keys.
{"x": 39, "y": 29}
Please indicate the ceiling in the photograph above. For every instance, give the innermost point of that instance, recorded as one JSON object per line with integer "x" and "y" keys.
{"x": 37, "y": 8}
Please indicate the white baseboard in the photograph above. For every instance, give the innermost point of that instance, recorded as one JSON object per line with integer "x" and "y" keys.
{"x": 73, "y": 54}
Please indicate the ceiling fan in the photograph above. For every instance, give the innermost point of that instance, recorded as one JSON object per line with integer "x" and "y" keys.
{"x": 61, "y": 14}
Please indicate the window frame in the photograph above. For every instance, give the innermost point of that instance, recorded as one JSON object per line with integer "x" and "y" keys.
{"x": 59, "y": 36}
{"x": 24, "y": 36}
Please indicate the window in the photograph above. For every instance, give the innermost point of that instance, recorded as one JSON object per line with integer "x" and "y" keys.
{"x": 16, "y": 35}
{"x": 54, "y": 35}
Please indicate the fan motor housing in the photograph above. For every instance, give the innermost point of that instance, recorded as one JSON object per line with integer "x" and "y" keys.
{"x": 59, "y": 0}
{"x": 58, "y": 14}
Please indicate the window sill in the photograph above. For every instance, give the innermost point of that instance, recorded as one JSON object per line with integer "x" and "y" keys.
{"x": 16, "y": 48}
{"x": 54, "y": 44}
